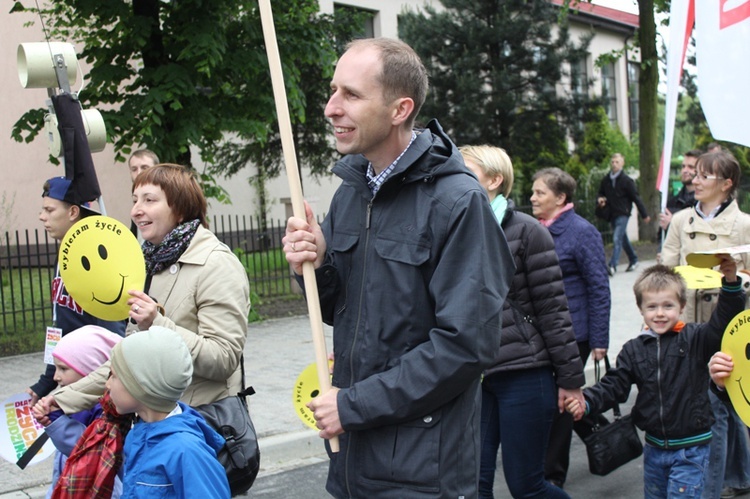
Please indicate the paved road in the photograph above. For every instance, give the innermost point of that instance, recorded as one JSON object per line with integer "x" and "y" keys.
{"x": 293, "y": 461}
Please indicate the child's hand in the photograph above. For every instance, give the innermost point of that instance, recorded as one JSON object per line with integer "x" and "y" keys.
{"x": 34, "y": 396}
{"x": 728, "y": 267}
{"x": 42, "y": 409}
{"x": 720, "y": 368}
{"x": 574, "y": 407}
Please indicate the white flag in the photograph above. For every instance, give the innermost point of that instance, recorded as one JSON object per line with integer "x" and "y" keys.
{"x": 722, "y": 34}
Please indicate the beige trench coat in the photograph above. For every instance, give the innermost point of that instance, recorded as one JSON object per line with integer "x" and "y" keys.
{"x": 206, "y": 297}
{"x": 689, "y": 232}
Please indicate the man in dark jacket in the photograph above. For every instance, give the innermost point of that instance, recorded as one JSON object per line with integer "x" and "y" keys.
{"x": 412, "y": 272}
{"x": 686, "y": 197}
{"x": 618, "y": 191}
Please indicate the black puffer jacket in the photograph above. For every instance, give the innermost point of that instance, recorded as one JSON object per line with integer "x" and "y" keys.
{"x": 538, "y": 296}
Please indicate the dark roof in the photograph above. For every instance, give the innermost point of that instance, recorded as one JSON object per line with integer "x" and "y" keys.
{"x": 597, "y": 15}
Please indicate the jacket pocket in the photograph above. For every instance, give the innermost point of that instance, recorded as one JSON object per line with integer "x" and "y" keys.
{"x": 407, "y": 455}
{"x": 343, "y": 242}
{"x": 403, "y": 251}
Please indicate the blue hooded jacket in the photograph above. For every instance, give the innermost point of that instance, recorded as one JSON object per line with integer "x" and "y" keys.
{"x": 175, "y": 457}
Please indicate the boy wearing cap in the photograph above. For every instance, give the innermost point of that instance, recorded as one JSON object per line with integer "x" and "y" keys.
{"x": 171, "y": 450}
{"x": 60, "y": 211}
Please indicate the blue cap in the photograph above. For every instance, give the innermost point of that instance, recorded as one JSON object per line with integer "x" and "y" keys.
{"x": 59, "y": 188}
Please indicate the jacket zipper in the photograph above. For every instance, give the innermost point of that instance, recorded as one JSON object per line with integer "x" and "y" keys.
{"x": 368, "y": 214}
{"x": 661, "y": 396}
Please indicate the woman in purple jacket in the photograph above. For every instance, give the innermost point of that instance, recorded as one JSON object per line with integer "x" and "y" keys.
{"x": 580, "y": 250}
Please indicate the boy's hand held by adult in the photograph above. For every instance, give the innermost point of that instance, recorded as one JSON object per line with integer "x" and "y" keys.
{"x": 564, "y": 395}
{"x": 574, "y": 407}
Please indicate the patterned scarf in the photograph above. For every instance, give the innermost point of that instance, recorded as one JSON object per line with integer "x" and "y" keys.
{"x": 167, "y": 252}
{"x": 90, "y": 471}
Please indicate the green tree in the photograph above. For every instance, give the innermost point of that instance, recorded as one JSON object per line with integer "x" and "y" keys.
{"x": 648, "y": 127}
{"x": 176, "y": 75}
{"x": 494, "y": 68}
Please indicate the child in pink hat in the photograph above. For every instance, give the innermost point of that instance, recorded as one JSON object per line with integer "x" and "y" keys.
{"x": 76, "y": 355}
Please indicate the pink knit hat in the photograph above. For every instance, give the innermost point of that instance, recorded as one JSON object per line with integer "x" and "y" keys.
{"x": 86, "y": 348}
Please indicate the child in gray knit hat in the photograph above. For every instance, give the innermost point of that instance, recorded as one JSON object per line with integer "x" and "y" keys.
{"x": 171, "y": 450}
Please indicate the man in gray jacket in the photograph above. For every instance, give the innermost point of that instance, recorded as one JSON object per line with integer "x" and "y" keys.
{"x": 412, "y": 272}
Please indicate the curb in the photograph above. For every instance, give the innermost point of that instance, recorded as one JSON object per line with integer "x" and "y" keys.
{"x": 278, "y": 453}
{"x": 287, "y": 450}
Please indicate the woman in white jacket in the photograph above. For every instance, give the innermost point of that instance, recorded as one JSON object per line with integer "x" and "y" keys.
{"x": 715, "y": 222}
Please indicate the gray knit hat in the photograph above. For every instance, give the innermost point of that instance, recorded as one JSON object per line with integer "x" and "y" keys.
{"x": 155, "y": 367}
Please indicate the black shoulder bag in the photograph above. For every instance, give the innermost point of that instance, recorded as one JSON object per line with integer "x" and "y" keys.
{"x": 240, "y": 456}
{"x": 612, "y": 445}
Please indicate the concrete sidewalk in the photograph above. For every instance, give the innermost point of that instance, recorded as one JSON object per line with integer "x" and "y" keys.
{"x": 276, "y": 352}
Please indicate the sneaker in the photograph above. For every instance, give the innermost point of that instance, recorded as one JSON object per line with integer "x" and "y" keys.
{"x": 729, "y": 492}
{"x": 632, "y": 267}
{"x": 611, "y": 270}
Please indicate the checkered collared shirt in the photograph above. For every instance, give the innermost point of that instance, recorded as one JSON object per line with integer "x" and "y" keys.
{"x": 376, "y": 181}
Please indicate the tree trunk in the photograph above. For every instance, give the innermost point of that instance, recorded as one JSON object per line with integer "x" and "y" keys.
{"x": 647, "y": 117}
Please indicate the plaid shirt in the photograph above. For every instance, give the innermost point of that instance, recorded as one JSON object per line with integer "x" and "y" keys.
{"x": 375, "y": 182}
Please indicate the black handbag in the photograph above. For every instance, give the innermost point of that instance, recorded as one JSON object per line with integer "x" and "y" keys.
{"x": 240, "y": 455}
{"x": 610, "y": 446}
{"x": 603, "y": 212}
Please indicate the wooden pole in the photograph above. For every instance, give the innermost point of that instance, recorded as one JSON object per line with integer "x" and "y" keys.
{"x": 295, "y": 188}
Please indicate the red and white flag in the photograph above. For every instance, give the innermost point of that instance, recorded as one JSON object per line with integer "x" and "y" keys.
{"x": 722, "y": 40}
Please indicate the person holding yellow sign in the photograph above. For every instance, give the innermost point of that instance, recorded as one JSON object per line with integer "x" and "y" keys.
{"x": 667, "y": 361}
{"x": 195, "y": 285}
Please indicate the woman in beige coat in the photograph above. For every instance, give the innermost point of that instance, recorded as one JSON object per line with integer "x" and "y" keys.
{"x": 195, "y": 285}
{"x": 715, "y": 222}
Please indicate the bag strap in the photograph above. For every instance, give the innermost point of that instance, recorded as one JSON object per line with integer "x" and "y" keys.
{"x": 32, "y": 451}
{"x": 246, "y": 390}
{"x": 598, "y": 376}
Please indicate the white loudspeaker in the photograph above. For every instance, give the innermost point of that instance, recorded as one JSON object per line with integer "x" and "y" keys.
{"x": 36, "y": 67}
{"x": 93, "y": 123}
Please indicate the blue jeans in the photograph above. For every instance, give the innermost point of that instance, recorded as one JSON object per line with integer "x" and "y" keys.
{"x": 730, "y": 451}
{"x": 669, "y": 474}
{"x": 620, "y": 241}
{"x": 517, "y": 409}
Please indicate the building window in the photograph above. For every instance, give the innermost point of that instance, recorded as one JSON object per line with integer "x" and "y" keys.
{"x": 609, "y": 92}
{"x": 579, "y": 77}
{"x": 634, "y": 72}
{"x": 365, "y": 19}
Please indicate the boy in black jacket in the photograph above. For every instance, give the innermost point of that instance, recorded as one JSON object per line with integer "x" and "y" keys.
{"x": 668, "y": 363}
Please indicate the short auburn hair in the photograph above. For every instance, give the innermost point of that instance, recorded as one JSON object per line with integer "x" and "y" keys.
{"x": 180, "y": 185}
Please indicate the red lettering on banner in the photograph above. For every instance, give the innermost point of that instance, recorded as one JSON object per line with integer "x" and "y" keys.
{"x": 736, "y": 12}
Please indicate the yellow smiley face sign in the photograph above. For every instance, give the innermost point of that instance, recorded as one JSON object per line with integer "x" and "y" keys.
{"x": 306, "y": 388}
{"x": 100, "y": 260}
{"x": 736, "y": 342}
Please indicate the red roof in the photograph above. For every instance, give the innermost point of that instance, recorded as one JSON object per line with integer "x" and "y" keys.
{"x": 607, "y": 13}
